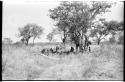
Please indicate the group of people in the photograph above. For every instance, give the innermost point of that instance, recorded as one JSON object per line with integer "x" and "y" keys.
{"x": 57, "y": 50}
{"x": 61, "y": 51}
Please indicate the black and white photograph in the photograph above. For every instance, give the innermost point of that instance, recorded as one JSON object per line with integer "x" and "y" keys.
{"x": 62, "y": 40}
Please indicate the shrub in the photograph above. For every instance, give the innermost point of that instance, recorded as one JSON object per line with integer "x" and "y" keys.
{"x": 120, "y": 40}
{"x": 112, "y": 40}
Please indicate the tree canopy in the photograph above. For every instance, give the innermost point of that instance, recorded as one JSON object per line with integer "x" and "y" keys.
{"x": 29, "y": 31}
{"x": 75, "y": 18}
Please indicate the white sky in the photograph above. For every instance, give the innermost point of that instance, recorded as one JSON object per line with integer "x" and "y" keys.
{"x": 17, "y": 15}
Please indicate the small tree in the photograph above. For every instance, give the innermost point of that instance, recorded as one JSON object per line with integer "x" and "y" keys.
{"x": 36, "y": 31}
{"x": 50, "y": 37}
{"x": 103, "y": 28}
{"x": 29, "y": 31}
{"x": 99, "y": 33}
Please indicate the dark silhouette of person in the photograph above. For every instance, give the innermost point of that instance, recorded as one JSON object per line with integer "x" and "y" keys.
{"x": 89, "y": 49}
{"x": 72, "y": 49}
{"x": 63, "y": 40}
{"x": 57, "y": 48}
{"x": 43, "y": 51}
{"x": 88, "y": 45}
{"x": 51, "y": 50}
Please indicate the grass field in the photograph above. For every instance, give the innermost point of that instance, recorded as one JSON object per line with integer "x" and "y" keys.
{"x": 105, "y": 62}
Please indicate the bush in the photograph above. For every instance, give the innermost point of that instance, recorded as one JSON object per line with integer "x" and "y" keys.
{"x": 112, "y": 40}
{"x": 120, "y": 40}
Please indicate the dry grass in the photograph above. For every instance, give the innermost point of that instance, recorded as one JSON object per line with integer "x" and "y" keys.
{"x": 105, "y": 62}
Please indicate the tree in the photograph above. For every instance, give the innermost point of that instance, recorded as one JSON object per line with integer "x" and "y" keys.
{"x": 114, "y": 25}
{"x": 75, "y": 18}
{"x": 36, "y": 31}
{"x": 7, "y": 41}
{"x": 103, "y": 28}
{"x": 50, "y": 37}
{"x": 99, "y": 31}
{"x": 29, "y": 31}
{"x": 59, "y": 14}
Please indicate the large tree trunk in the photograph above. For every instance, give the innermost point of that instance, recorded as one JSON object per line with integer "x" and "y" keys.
{"x": 23, "y": 40}
{"x": 81, "y": 48}
{"x": 76, "y": 47}
{"x": 27, "y": 40}
{"x": 83, "y": 45}
{"x": 82, "y": 42}
{"x": 86, "y": 41}
{"x": 98, "y": 41}
{"x": 64, "y": 39}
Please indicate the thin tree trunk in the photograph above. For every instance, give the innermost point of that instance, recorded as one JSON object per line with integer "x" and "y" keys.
{"x": 64, "y": 37}
{"x": 33, "y": 40}
{"x": 85, "y": 42}
{"x": 81, "y": 44}
{"x": 77, "y": 46}
{"x": 27, "y": 41}
{"x": 98, "y": 42}
{"x": 81, "y": 47}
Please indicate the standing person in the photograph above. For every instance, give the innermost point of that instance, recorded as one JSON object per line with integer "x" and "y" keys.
{"x": 88, "y": 45}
